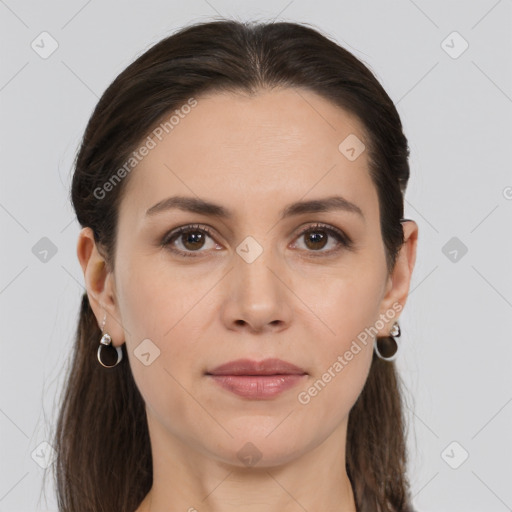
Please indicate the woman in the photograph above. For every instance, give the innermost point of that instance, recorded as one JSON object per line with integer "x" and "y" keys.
{"x": 240, "y": 189}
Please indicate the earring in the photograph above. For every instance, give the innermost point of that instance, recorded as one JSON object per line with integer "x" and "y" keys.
{"x": 106, "y": 341}
{"x": 386, "y": 347}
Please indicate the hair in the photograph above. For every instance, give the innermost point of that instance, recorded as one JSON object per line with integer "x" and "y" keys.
{"x": 104, "y": 460}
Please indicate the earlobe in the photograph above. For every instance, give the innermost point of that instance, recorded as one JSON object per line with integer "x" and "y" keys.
{"x": 99, "y": 284}
{"x": 400, "y": 278}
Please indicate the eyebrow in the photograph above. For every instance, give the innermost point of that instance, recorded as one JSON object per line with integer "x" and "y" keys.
{"x": 200, "y": 206}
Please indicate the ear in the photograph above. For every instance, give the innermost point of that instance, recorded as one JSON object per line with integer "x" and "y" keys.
{"x": 100, "y": 286}
{"x": 397, "y": 287}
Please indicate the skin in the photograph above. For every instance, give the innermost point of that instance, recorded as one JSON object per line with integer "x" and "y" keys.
{"x": 253, "y": 155}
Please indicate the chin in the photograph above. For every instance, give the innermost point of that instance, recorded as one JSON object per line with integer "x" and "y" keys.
{"x": 256, "y": 450}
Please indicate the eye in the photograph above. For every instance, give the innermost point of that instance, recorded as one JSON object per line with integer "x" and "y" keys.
{"x": 187, "y": 240}
{"x": 190, "y": 239}
{"x": 317, "y": 237}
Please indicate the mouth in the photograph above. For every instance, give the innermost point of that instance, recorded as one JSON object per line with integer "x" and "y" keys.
{"x": 247, "y": 367}
{"x": 257, "y": 380}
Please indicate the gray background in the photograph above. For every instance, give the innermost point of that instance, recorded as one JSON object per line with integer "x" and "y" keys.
{"x": 456, "y": 109}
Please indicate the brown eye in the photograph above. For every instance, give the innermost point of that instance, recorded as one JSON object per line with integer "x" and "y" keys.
{"x": 317, "y": 237}
{"x": 188, "y": 240}
{"x": 192, "y": 240}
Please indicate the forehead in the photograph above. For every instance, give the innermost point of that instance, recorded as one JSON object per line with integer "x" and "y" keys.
{"x": 275, "y": 145}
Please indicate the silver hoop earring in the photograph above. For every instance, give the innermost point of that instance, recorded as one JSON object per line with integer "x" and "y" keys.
{"x": 387, "y": 347}
{"x": 105, "y": 346}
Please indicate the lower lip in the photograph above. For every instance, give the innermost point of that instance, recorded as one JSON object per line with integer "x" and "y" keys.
{"x": 257, "y": 386}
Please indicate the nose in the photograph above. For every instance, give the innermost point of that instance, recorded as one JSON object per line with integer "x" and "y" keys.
{"x": 258, "y": 298}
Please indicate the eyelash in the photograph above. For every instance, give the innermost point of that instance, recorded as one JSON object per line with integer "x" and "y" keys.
{"x": 341, "y": 237}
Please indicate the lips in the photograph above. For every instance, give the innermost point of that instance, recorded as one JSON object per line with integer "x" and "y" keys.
{"x": 255, "y": 380}
{"x": 248, "y": 367}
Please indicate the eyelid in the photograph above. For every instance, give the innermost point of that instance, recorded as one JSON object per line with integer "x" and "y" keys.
{"x": 176, "y": 232}
{"x": 326, "y": 227}
{"x": 342, "y": 238}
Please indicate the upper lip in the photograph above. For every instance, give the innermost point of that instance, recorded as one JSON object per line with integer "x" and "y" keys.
{"x": 248, "y": 367}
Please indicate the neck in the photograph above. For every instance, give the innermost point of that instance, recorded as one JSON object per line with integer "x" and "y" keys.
{"x": 184, "y": 479}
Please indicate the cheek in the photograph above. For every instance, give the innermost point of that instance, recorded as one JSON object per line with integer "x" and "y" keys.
{"x": 348, "y": 306}
{"x": 162, "y": 317}
{"x": 342, "y": 357}
{"x": 331, "y": 394}
{"x": 347, "y": 301}
{"x": 155, "y": 300}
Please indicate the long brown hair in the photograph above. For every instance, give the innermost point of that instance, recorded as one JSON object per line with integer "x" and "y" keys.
{"x": 104, "y": 460}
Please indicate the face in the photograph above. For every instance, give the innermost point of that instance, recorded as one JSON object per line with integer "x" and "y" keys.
{"x": 253, "y": 279}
